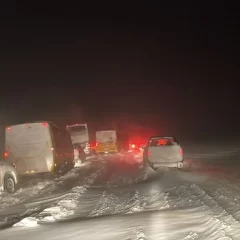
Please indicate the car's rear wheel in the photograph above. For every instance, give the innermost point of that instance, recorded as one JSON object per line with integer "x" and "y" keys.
{"x": 151, "y": 165}
{"x": 9, "y": 184}
{"x": 154, "y": 168}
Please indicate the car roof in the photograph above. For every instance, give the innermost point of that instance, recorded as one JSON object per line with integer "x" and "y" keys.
{"x": 159, "y": 136}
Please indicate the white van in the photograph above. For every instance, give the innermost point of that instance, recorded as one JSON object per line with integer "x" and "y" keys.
{"x": 80, "y": 136}
{"x": 38, "y": 147}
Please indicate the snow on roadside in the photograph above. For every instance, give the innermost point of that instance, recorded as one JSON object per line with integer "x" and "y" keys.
{"x": 35, "y": 187}
{"x": 22, "y": 194}
{"x": 62, "y": 208}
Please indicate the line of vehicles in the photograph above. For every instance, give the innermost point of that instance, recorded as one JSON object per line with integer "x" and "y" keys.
{"x": 107, "y": 141}
{"x": 40, "y": 147}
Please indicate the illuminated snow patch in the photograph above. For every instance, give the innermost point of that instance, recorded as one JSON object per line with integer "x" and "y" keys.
{"x": 27, "y": 222}
{"x": 55, "y": 213}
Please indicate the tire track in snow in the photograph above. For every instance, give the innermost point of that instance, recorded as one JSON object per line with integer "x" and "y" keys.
{"x": 66, "y": 206}
{"x": 53, "y": 208}
{"x": 128, "y": 203}
{"x": 215, "y": 224}
{"x": 219, "y": 213}
{"x": 41, "y": 185}
{"x": 228, "y": 197}
{"x": 232, "y": 186}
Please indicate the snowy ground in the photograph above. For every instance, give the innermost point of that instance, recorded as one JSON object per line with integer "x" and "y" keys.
{"x": 110, "y": 199}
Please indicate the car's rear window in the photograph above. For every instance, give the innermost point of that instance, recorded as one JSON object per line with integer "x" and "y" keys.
{"x": 162, "y": 141}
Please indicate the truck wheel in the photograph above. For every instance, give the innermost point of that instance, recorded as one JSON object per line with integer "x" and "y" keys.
{"x": 56, "y": 170}
{"x": 63, "y": 169}
{"x": 9, "y": 184}
{"x": 70, "y": 165}
{"x": 82, "y": 157}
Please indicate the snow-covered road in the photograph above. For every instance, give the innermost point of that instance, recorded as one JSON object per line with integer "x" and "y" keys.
{"x": 111, "y": 199}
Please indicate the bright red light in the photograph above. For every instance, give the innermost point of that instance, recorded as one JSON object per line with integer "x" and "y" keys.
{"x": 45, "y": 124}
{"x": 92, "y": 145}
{"x": 133, "y": 145}
{"x": 162, "y": 142}
{"x": 8, "y": 128}
{"x": 6, "y": 154}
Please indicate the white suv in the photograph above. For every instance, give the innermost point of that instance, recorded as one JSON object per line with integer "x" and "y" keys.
{"x": 163, "y": 152}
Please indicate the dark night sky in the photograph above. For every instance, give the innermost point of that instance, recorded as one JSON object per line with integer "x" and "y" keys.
{"x": 175, "y": 67}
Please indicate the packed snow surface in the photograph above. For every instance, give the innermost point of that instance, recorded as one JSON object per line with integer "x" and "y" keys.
{"x": 114, "y": 197}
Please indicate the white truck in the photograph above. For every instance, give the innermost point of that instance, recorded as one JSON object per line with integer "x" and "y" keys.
{"x": 38, "y": 147}
{"x": 80, "y": 140}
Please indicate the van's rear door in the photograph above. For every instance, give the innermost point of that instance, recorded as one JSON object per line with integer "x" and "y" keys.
{"x": 106, "y": 141}
{"x": 29, "y": 147}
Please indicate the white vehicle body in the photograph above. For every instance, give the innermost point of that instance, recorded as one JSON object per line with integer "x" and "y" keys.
{"x": 163, "y": 152}
{"x": 7, "y": 170}
{"x": 37, "y": 147}
{"x": 106, "y": 136}
{"x": 79, "y": 136}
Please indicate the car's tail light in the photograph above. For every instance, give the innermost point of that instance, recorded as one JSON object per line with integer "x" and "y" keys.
{"x": 8, "y": 128}
{"x": 45, "y": 124}
{"x": 133, "y": 145}
{"x": 92, "y": 145}
{"x": 181, "y": 151}
{"x": 6, "y": 155}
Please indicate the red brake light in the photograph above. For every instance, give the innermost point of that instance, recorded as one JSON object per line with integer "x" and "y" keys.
{"x": 181, "y": 151}
{"x": 92, "y": 145}
{"x": 8, "y": 128}
{"x": 45, "y": 124}
{"x": 6, "y": 154}
{"x": 133, "y": 146}
{"x": 162, "y": 142}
